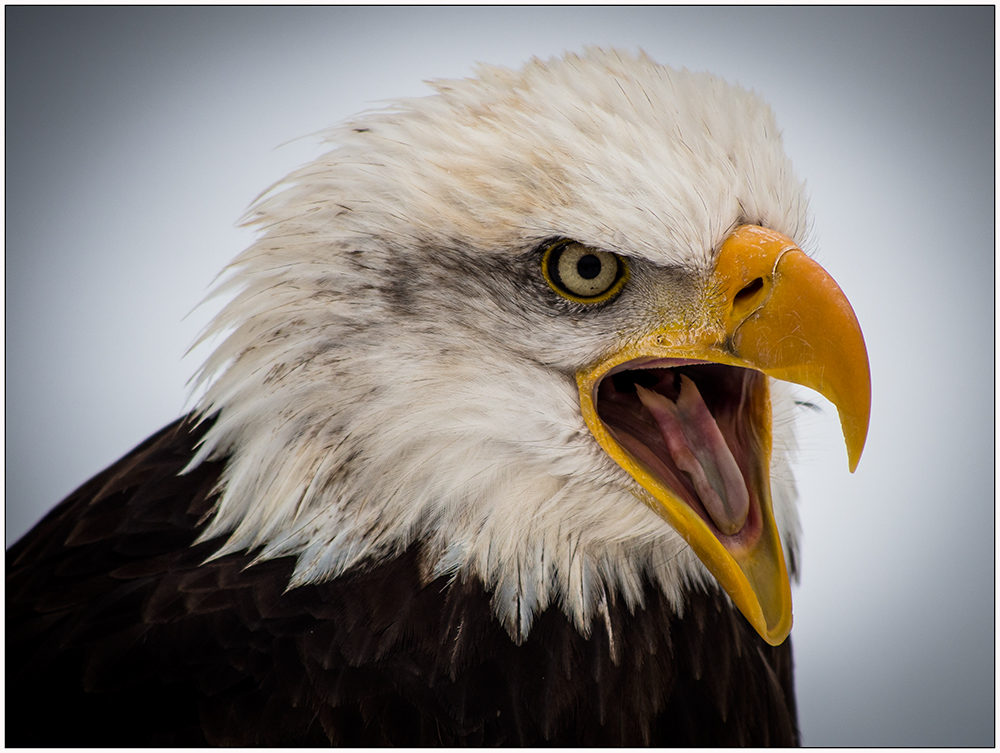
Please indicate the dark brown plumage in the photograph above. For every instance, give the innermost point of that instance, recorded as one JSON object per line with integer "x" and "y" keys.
{"x": 118, "y": 633}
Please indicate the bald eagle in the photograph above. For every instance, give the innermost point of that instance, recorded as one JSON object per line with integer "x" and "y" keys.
{"x": 495, "y": 450}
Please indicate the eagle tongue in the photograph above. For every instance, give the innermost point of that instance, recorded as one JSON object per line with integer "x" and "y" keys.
{"x": 698, "y": 448}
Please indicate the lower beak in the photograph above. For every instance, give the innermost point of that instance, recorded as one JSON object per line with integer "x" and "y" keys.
{"x": 770, "y": 310}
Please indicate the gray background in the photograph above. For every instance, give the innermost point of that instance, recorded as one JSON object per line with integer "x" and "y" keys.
{"x": 136, "y": 138}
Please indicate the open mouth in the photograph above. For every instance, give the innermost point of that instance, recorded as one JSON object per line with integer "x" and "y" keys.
{"x": 685, "y": 409}
{"x": 702, "y": 429}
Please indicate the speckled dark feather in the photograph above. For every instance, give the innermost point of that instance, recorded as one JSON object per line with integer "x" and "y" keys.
{"x": 119, "y": 633}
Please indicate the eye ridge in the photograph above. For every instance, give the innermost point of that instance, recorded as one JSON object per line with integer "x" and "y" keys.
{"x": 583, "y": 274}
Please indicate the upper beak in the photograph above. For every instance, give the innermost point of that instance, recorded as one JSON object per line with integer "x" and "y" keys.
{"x": 770, "y": 308}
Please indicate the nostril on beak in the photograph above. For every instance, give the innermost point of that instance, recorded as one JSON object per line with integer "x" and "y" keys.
{"x": 749, "y": 293}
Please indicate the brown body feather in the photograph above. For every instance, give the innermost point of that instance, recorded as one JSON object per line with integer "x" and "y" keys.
{"x": 119, "y": 633}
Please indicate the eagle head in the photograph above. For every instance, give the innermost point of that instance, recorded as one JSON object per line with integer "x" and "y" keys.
{"x": 540, "y": 323}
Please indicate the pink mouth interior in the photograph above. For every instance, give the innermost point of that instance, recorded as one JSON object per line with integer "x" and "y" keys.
{"x": 691, "y": 424}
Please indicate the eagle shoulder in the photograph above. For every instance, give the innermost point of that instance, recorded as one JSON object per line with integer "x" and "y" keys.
{"x": 120, "y": 625}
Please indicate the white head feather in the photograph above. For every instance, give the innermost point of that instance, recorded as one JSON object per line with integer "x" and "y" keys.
{"x": 396, "y": 369}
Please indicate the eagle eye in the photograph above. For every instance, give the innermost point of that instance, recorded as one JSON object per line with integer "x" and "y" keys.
{"x": 583, "y": 274}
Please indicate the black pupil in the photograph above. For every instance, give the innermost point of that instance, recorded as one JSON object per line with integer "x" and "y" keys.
{"x": 588, "y": 267}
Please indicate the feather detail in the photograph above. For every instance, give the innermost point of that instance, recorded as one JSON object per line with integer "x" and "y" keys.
{"x": 138, "y": 640}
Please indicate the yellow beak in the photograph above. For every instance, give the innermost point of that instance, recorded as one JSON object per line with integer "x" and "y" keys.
{"x": 770, "y": 308}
